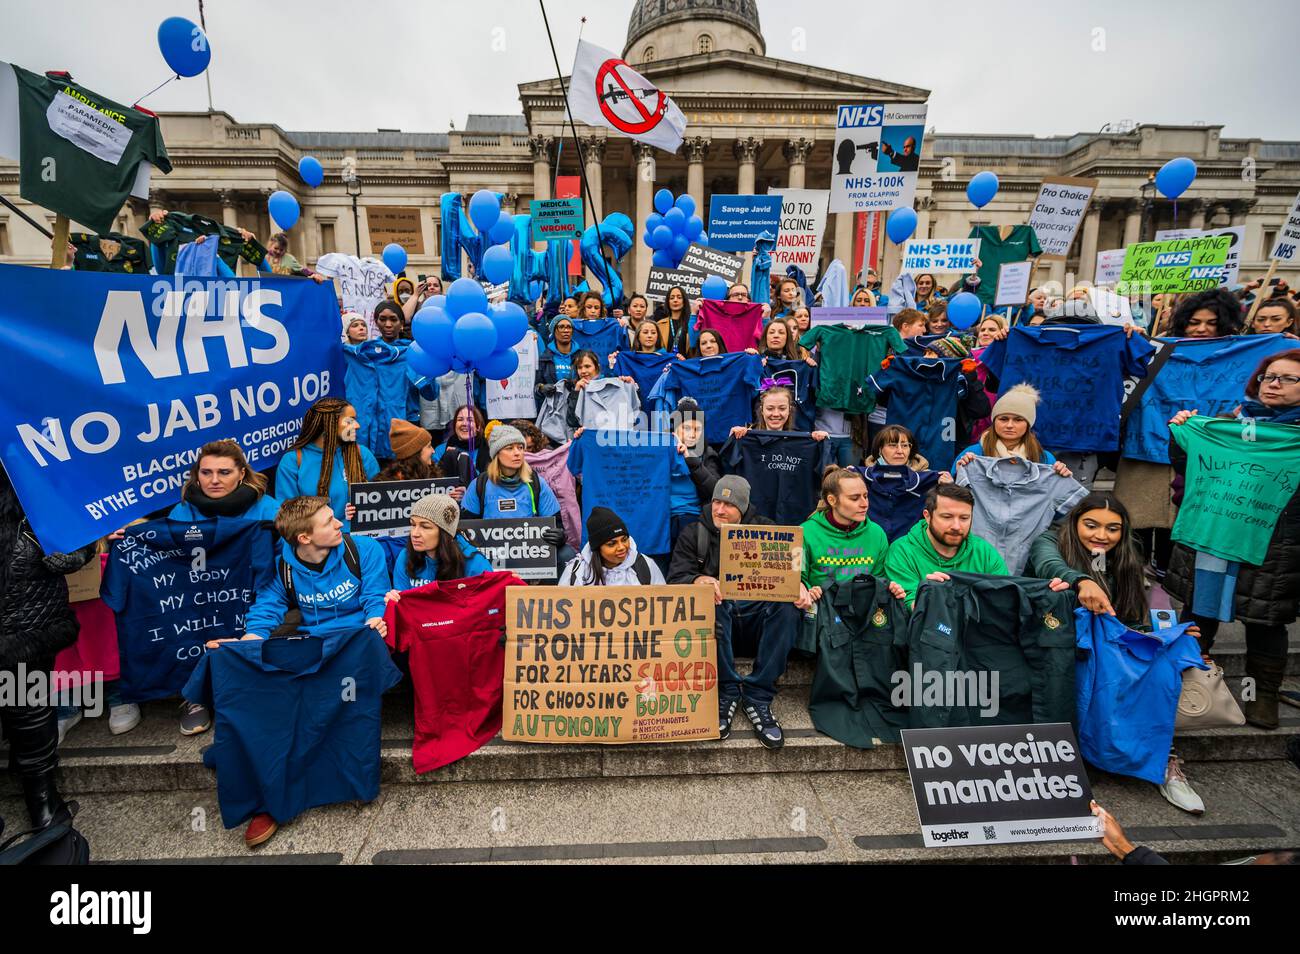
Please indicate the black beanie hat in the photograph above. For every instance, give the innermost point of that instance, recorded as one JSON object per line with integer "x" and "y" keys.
{"x": 604, "y": 525}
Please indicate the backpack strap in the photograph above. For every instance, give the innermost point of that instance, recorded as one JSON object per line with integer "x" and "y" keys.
{"x": 351, "y": 559}
{"x": 701, "y": 544}
{"x": 480, "y": 487}
{"x": 642, "y": 569}
{"x": 351, "y": 556}
{"x": 535, "y": 488}
{"x": 286, "y": 577}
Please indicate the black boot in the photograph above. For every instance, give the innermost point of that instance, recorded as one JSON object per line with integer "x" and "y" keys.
{"x": 1267, "y": 671}
{"x": 43, "y": 799}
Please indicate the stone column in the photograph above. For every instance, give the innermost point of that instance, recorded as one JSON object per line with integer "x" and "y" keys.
{"x": 796, "y": 153}
{"x": 1132, "y": 222}
{"x": 1240, "y": 209}
{"x": 593, "y": 149}
{"x": 229, "y": 214}
{"x": 540, "y": 149}
{"x": 645, "y": 185}
{"x": 746, "y": 151}
{"x": 1197, "y": 207}
{"x": 924, "y": 206}
{"x": 510, "y": 202}
{"x": 1088, "y": 251}
{"x": 697, "y": 150}
{"x": 844, "y": 241}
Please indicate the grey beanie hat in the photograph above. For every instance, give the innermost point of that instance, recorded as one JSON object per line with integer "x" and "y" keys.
{"x": 439, "y": 509}
{"x": 502, "y": 436}
{"x": 733, "y": 490}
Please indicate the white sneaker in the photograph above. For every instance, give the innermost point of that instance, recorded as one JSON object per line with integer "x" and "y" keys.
{"x": 1178, "y": 791}
{"x": 123, "y": 718}
{"x": 68, "y": 723}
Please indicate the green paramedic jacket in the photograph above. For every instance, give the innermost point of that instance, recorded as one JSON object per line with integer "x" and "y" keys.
{"x": 1014, "y": 626}
{"x": 180, "y": 228}
{"x": 861, "y": 642}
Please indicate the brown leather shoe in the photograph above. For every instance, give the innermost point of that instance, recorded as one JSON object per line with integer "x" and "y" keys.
{"x": 259, "y": 830}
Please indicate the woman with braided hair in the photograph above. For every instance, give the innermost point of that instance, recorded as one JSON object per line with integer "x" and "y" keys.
{"x": 326, "y": 458}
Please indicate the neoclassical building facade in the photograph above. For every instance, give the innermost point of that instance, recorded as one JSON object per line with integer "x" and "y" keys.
{"x": 753, "y": 122}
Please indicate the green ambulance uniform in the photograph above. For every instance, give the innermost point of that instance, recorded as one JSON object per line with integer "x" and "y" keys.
{"x": 113, "y": 252}
{"x": 861, "y": 638}
{"x": 831, "y": 554}
{"x": 180, "y": 228}
{"x": 848, "y": 356}
{"x": 1021, "y": 244}
{"x": 1012, "y": 625}
{"x": 912, "y": 557}
{"x": 78, "y": 151}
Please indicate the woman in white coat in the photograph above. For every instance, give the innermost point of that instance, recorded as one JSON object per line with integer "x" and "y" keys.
{"x": 610, "y": 557}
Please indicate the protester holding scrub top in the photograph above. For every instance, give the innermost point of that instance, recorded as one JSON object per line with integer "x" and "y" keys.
{"x": 326, "y": 459}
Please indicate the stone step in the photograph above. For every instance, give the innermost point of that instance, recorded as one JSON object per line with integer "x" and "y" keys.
{"x": 155, "y": 757}
{"x": 797, "y": 817}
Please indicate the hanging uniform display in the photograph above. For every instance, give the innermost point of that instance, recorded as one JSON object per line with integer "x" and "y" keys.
{"x": 784, "y": 470}
{"x": 1015, "y": 501}
{"x": 724, "y": 386}
{"x": 848, "y": 355}
{"x": 922, "y": 394}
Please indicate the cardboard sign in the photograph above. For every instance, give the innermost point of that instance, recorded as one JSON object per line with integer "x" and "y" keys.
{"x": 999, "y": 784}
{"x": 736, "y": 221}
{"x": 848, "y": 316}
{"x": 939, "y": 255}
{"x": 610, "y": 664}
{"x": 761, "y": 563}
{"x": 1058, "y": 210}
{"x": 710, "y": 261}
{"x": 556, "y": 219}
{"x": 1013, "y": 283}
{"x": 515, "y": 544}
{"x": 1109, "y": 265}
{"x": 84, "y": 584}
{"x": 877, "y": 156}
{"x": 384, "y": 508}
{"x": 1288, "y": 237}
{"x": 660, "y": 280}
{"x": 803, "y": 223}
{"x": 395, "y": 223}
{"x": 1179, "y": 265}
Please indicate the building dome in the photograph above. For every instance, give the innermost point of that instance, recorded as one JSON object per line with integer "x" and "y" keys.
{"x": 664, "y": 29}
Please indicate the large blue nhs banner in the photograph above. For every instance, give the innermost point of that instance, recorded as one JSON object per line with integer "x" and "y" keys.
{"x": 109, "y": 384}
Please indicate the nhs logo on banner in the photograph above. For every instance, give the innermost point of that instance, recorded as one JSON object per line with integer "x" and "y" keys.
{"x": 851, "y": 117}
{"x": 1173, "y": 260}
{"x": 102, "y": 412}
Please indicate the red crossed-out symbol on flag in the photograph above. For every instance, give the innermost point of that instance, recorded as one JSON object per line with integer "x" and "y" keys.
{"x": 609, "y": 75}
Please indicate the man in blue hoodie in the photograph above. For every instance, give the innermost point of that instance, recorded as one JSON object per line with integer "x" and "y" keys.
{"x": 336, "y": 581}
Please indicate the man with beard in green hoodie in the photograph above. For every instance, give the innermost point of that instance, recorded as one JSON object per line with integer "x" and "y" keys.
{"x": 941, "y": 543}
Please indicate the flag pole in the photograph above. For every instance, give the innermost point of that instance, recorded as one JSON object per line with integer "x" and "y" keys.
{"x": 582, "y": 162}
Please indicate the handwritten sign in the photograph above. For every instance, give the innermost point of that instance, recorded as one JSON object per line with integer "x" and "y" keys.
{"x": 803, "y": 223}
{"x": 610, "y": 665}
{"x": 1178, "y": 265}
{"x": 395, "y": 223}
{"x": 1058, "y": 210}
{"x": 1013, "y": 283}
{"x": 384, "y": 508}
{"x": 761, "y": 563}
{"x": 940, "y": 255}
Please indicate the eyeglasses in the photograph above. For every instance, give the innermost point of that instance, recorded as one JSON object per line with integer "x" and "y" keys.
{"x": 738, "y": 296}
{"x": 1288, "y": 380}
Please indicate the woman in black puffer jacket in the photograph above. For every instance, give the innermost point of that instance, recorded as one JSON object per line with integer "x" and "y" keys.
{"x": 36, "y": 621}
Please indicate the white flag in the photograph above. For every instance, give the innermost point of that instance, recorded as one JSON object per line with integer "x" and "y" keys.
{"x": 605, "y": 91}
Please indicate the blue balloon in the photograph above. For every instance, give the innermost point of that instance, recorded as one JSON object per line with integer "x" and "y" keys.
{"x": 663, "y": 201}
{"x": 680, "y": 244}
{"x": 484, "y": 210}
{"x": 184, "y": 46}
{"x": 715, "y": 287}
{"x": 662, "y": 259}
{"x": 900, "y": 225}
{"x": 1175, "y": 176}
{"x": 464, "y": 296}
{"x": 694, "y": 226}
{"x": 425, "y": 363}
{"x": 662, "y": 237}
{"x": 498, "y": 264}
{"x": 283, "y": 208}
{"x": 499, "y": 365}
{"x": 475, "y": 336}
{"x": 432, "y": 328}
{"x": 511, "y": 321}
{"x": 310, "y": 170}
{"x": 434, "y": 301}
{"x": 503, "y": 230}
{"x": 982, "y": 188}
{"x": 653, "y": 221}
{"x": 964, "y": 309}
{"x": 703, "y": 239}
{"x": 461, "y": 367}
{"x": 394, "y": 257}
{"x": 686, "y": 203}
{"x": 675, "y": 219}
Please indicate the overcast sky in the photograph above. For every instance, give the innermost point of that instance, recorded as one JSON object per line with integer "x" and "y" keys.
{"x": 1000, "y": 66}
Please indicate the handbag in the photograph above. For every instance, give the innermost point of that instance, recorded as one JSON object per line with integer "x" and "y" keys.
{"x": 56, "y": 844}
{"x": 1206, "y": 702}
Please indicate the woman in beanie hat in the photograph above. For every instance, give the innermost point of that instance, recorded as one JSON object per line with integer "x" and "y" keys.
{"x": 509, "y": 488}
{"x": 555, "y": 362}
{"x": 412, "y": 453}
{"x": 356, "y": 330}
{"x": 610, "y": 557}
{"x": 434, "y": 550}
{"x": 1012, "y": 433}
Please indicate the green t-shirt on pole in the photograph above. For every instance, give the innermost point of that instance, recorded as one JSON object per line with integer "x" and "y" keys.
{"x": 79, "y": 153}
{"x": 1240, "y": 476}
{"x": 849, "y": 355}
{"x": 995, "y": 251}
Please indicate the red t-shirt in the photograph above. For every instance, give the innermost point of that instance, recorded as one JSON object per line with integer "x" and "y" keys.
{"x": 739, "y": 322}
{"x": 454, "y": 633}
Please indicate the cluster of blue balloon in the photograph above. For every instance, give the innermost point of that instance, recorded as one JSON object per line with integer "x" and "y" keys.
{"x": 498, "y": 261}
{"x": 672, "y": 227}
{"x": 460, "y": 331}
{"x": 184, "y": 46}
